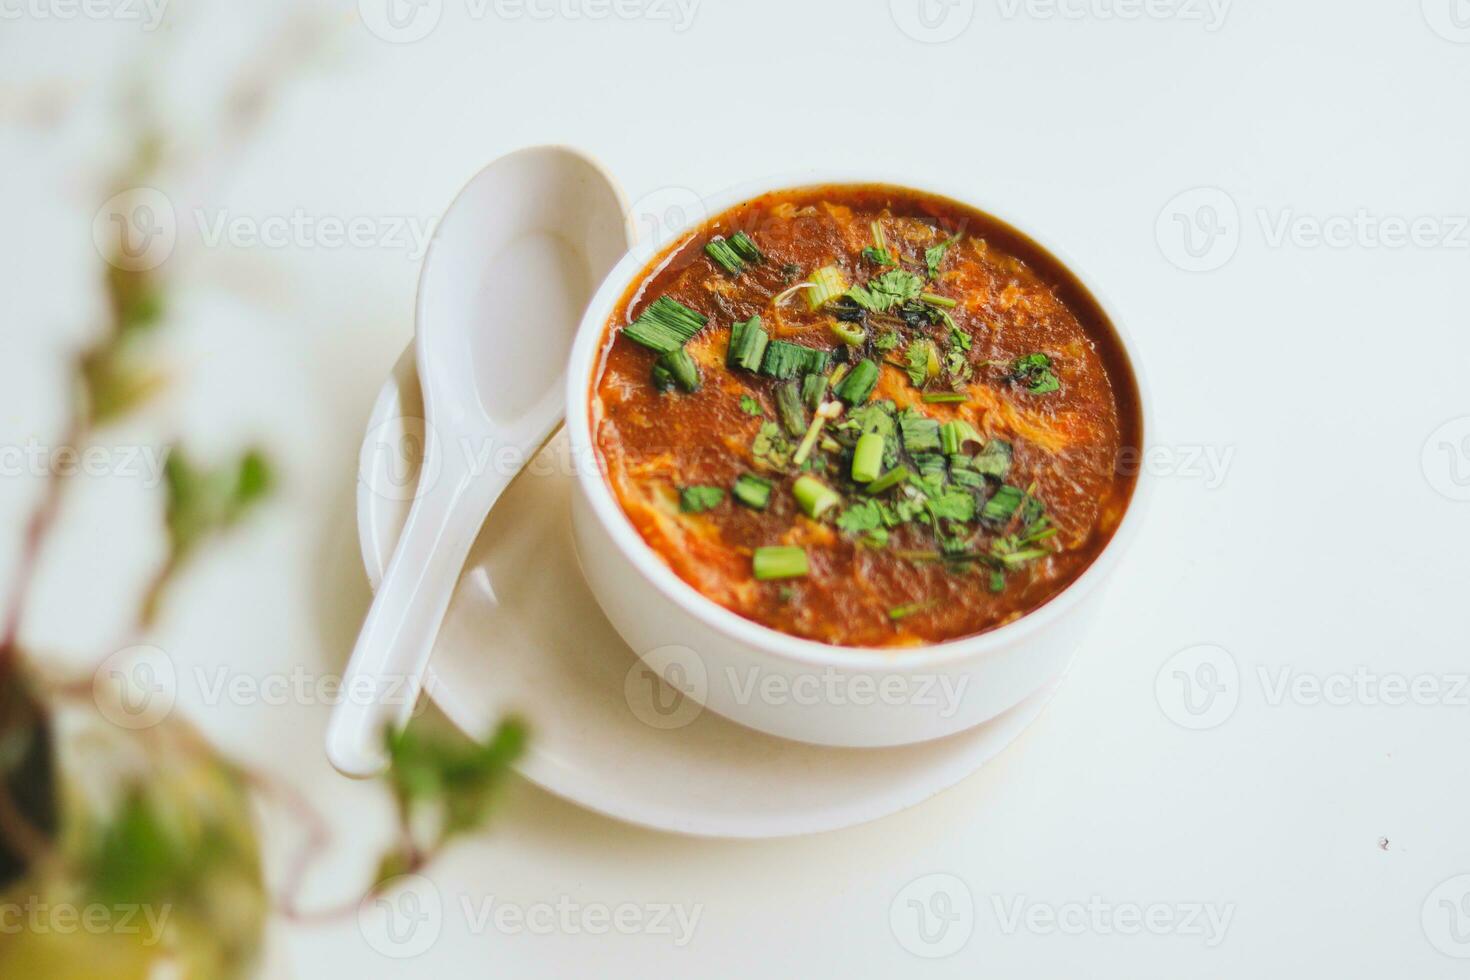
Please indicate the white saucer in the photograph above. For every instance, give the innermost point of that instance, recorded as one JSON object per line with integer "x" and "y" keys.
{"x": 545, "y": 650}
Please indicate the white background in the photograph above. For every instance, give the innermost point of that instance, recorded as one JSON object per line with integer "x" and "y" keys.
{"x": 1332, "y": 540}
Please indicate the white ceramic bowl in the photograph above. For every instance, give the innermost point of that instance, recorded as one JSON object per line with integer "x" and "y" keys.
{"x": 787, "y": 685}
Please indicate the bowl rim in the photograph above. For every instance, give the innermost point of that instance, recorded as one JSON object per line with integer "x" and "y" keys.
{"x": 813, "y": 653}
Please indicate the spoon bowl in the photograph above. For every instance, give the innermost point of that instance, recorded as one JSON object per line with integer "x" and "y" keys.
{"x": 511, "y": 267}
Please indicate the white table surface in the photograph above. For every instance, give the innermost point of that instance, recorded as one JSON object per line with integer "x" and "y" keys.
{"x": 1325, "y": 538}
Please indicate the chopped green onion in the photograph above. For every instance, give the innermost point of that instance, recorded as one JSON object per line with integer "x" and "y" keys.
{"x": 997, "y": 581}
{"x": 1000, "y": 507}
{"x": 934, "y": 299}
{"x": 752, "y": 491}
{"x": 785, "y": 360}
{"x": 696, "y": 500}
{"x": 746, "y": 248}
{"x": 830, "y": 445}
{"x": 830, "y": 410}
{"x": 828, "y": 283}
{"x": 813, "y": 496}
{"x": 945, "y": 397}
{"x": 849, "y": 333}
{"x": 903, "y": 612}
{"x": 858, "y": 384}
{"x": 867, "y": 458}
{"x": 663, "y": 379}
{"x": 666, "y": 325}
{"x": 994, "y": 460}
{"x": 724, "y": 255}
{"x": 840, "y": 372}
{"x": 888, "y": 480}
{"x": 681, "y": 368}
{"x": 747, "y": 345}
{"x": 955, "y": 433}
{"x": 779, "y": 562}
{"x": 750, "y": 406}
{"x": 789, "y": 408}
{"x": 878, "y": 251}
{"x": 920, "y": 433}
{"x": 813, "y": 387}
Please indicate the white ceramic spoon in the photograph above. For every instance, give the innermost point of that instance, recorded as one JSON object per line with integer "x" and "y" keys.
{"x": 507, "y": 276}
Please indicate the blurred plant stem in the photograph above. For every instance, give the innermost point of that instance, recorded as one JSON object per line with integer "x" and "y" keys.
{"x": 158, "y": 816}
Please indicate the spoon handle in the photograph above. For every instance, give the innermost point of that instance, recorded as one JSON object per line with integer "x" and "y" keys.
{"x": 389, "y": 661}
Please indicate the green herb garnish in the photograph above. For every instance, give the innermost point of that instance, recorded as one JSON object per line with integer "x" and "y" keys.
{"x": 698, "y": 499}
{"x": 923, "y": 362}
{"x": 884, "y": 292}
{"x": 955, "y": 505}
{"x": 750, "y": 406}
{"x": 1035, "y": 372}
{"x": 887, "y": 340}
{"x": 999, "y": 508}
{"x": 752, "y": 491}
{"x": 994, "y": 460}
{"x": 920, "y": 433}
{"x": 666, "y": 325}
{"x": 770, "y": 446}
{"x": 878, "y": 252}
{"x": 934, "y": 255}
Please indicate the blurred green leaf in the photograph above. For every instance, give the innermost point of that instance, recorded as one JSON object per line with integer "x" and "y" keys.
{"x": 440, "y": 776}
{"x": 204, "y": 501}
